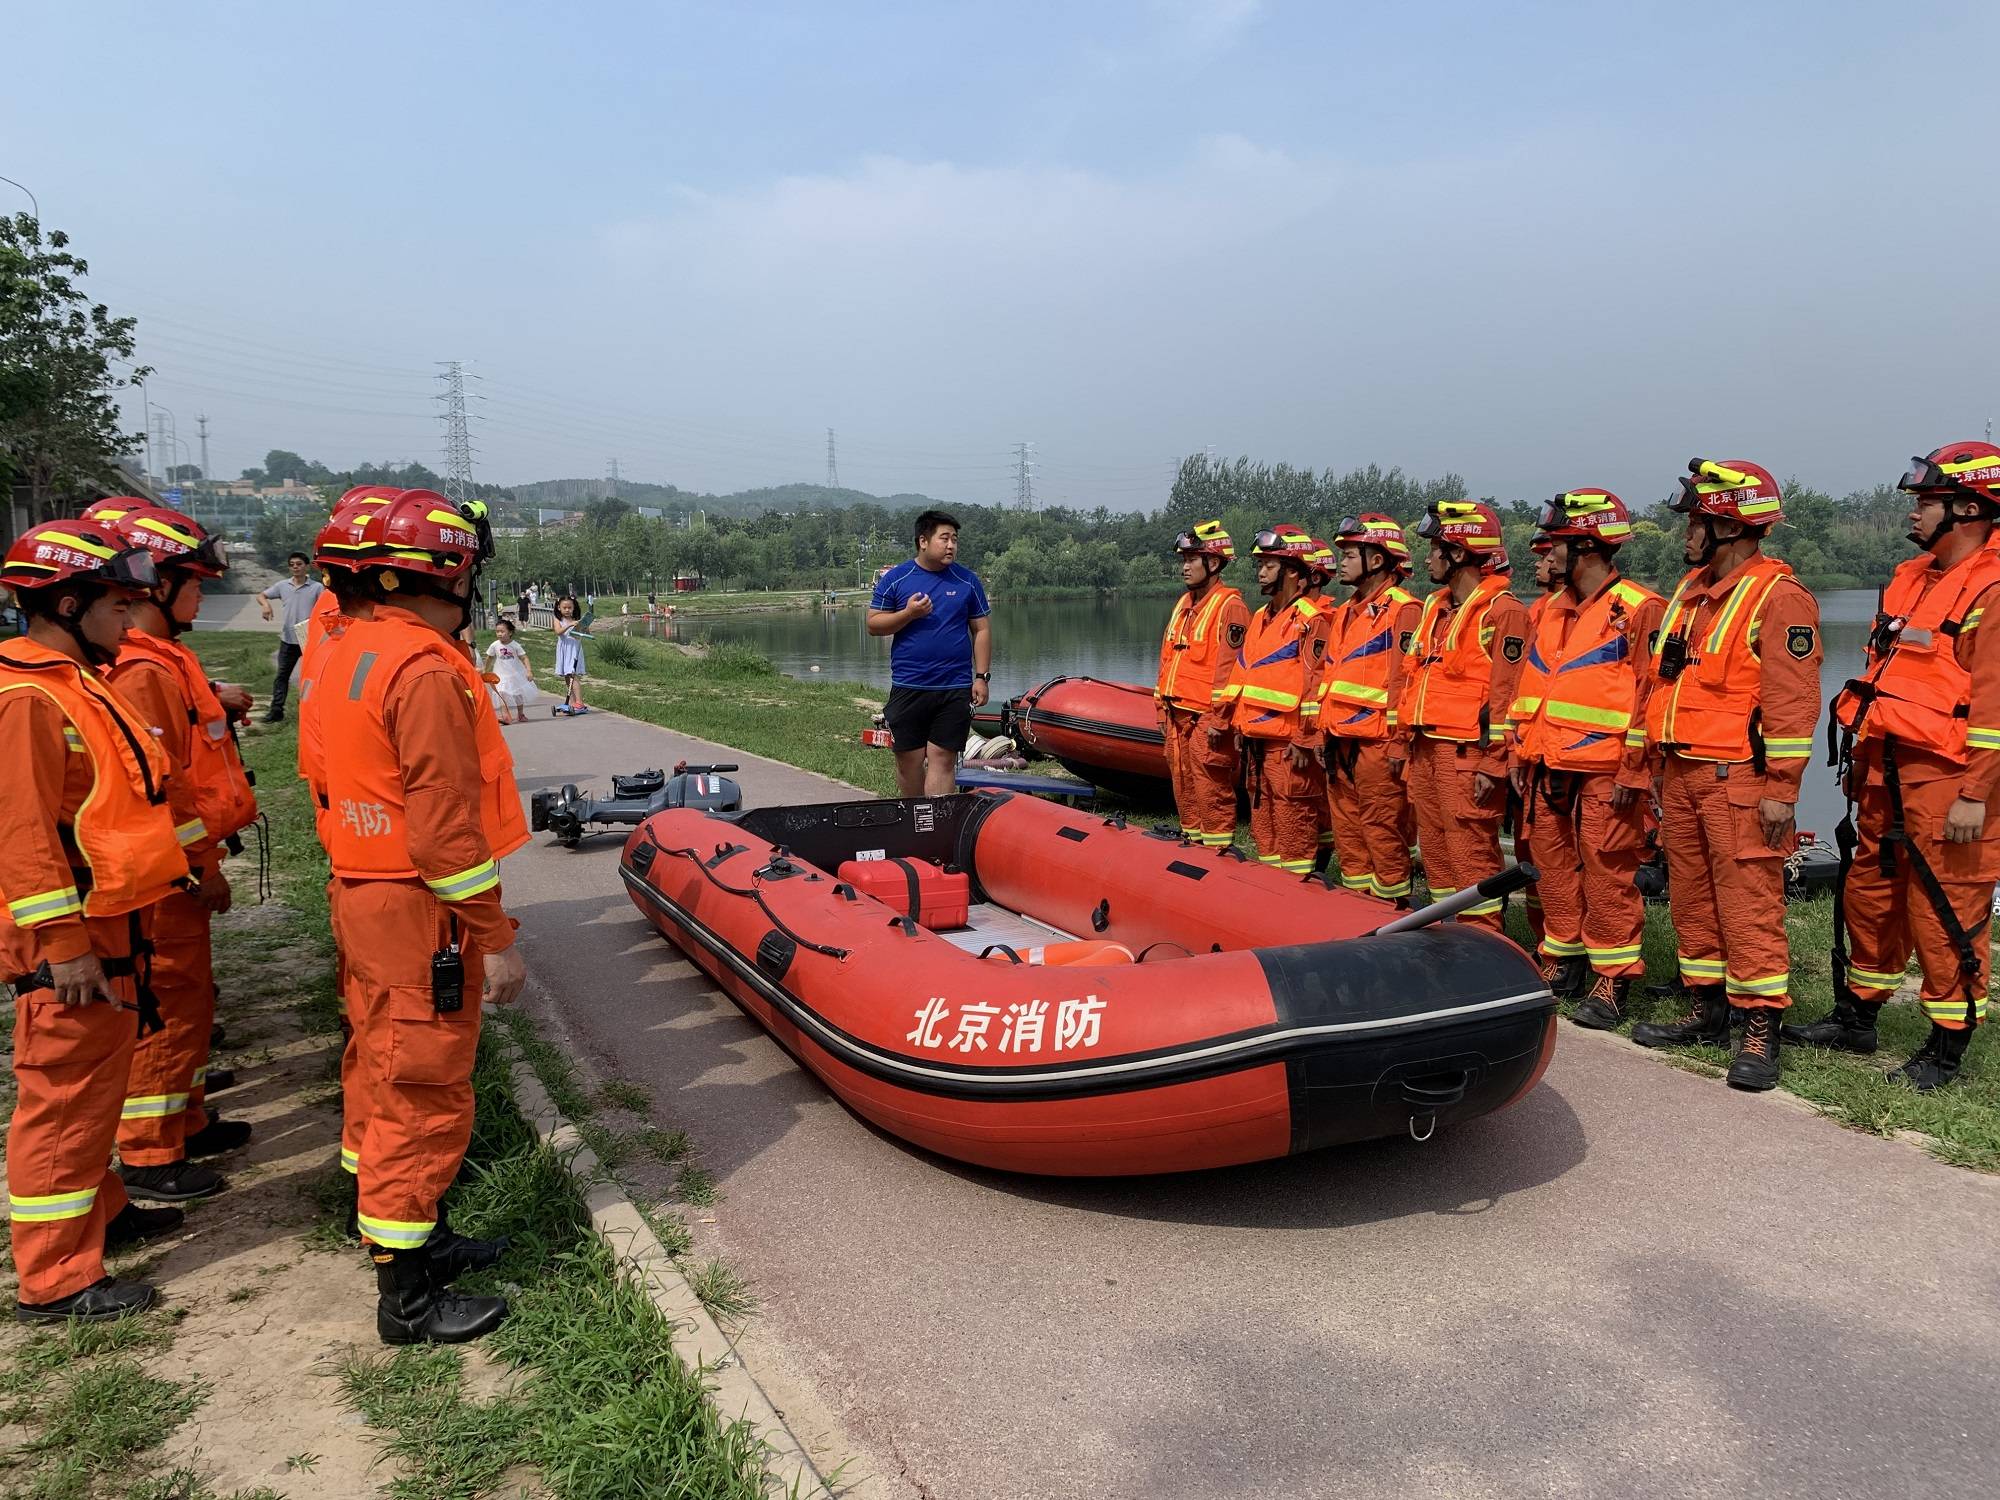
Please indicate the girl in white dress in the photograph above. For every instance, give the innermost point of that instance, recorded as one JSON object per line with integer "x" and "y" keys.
{"x": 513, "y": 683}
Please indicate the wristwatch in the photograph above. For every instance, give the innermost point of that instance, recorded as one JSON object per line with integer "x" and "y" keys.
{"x": 982, "y": 676}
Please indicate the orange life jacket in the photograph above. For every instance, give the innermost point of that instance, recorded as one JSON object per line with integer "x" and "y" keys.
{"x": 223, "y": 800}
{"x": 1705, "y": 712}
{"x": 1589, "y": 685}
{"x": 1192, "y": 649}
{"x": 1449, "y": 674}
{"x": 1361, "y": 652}
{"x": 1271, "y": 692}
{"x": 1916, "y": 690}
{"x": 363, "y": 827}
{"x": 124, "y": 830}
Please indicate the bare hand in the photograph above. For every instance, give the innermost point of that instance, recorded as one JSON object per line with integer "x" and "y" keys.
{"x": 505, "y": 974}
{"x": 1775, "y": 819}
{"x": 980, "y": 692}
{"x": 1623, "y": 797}
{"x": 265, "y": 606}
{"x": 1519, "y": 776}
{"x": 918, "y": 607}
{"x": 81, "y": 981}
{"x": 233, "y": 697}
{"x": 1216, "y": 737}
{"x": 1483, "y": 787}
{"x": 1301, "y": 757}
{"x": 1396, "y": 766}
{"x": 1965, "y": 821}
{"x": 214, "y": 894}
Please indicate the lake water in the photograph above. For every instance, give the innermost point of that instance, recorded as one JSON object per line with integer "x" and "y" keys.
{"x": 1119, "y": 638}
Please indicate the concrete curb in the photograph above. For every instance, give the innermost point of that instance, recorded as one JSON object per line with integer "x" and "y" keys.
{"x": 698, "y": 1337}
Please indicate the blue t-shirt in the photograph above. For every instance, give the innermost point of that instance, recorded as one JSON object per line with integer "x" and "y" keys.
{"x": 936, "y": 651}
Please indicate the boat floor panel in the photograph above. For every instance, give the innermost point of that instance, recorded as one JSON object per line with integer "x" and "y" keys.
{"x": 986, "y": 924}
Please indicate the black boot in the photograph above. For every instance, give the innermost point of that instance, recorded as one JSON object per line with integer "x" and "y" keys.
{"x": 413, "y": 1309}
{"x": 180, "y": 1181}
{"x": 1565, "y": 977}
{"x": 453, "y": 1255}
{"x": 1706, "y": 1023}
{"x": 219, "y": 1079}
{"x": 218, "y": 1135}
{"x": 99, "y": 1302}
{"x": 1937, "y": 1061}
{"x": 1849, "y": 1028}
{"x": 133, "y": 1225}
{"x": 216, "y": 1036}
{"x": 1603, "y": 1009}
{"x": 1755, "y": 1066}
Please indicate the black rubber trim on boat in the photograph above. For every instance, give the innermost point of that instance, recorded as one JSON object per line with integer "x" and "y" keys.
{"x": 1123, "y": 1074}
{"x": 1074, "y": 835}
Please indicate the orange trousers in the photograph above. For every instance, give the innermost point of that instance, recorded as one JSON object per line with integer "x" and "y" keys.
{"x": 1458, "y": 835}
{"x": 1204, "y": 778}
{"x": 1587, "y": 854}
{"x": 1369, "y": 809}
{"x": 163, "y": 1100}
{"x": 1725, "y": 885}
{"x": 410, "y": 1078}
{"x": 1889, "y": 917}
{"x": 1286, "y": 804}
{"x": 70, "y": 1063}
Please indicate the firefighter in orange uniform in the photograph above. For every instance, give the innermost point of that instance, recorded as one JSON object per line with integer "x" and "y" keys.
{"x": 166, "y": 1123}
{"x": 1528, "y": 697}
{"x": 1921, "y": 741}
{"x": 87, "y": 847}
{"x": 1367, "y": 636}
{"x": 1459, "y": 680}
{"x": 421, "y": 805}
{"x": 1321, "y": 566}
{"x": 1272, "y": 705}
{"x": 1196, "y": 657}
{"x": 1730, "y": 719}
{"x": 1583, "y": 781}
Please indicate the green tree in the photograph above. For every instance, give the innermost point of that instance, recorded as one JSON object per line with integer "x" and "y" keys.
{"x": 59, "y": 420}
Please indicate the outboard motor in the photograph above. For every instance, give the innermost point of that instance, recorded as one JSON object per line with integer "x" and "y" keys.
{"x": 569, "y": 813}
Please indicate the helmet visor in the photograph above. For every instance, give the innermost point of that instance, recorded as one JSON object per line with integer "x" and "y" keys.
{"x": 1684, "y": 503}
{"x": 1552, "y": 516}
{"x": 1923, "y": 475}
{"x": 132, "y": 568}
{"x": 1269, "y": 541}
{"x": 1349, "y": 526}
{"x": 1186, "y": 542}
{"x": 1430, "y": 528}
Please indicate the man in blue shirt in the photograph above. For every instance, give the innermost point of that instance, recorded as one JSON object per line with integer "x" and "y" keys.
{"x": 939, "y": 666}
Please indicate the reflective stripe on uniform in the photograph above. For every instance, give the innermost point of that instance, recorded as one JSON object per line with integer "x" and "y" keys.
{"x": 190, "y": 832}
{"x": 46, "y": 906}
{"x": 74, "y": 740}
{"x": 1762, "y": 985}
{"x": 153, "y": 1106}
{"x": 1360, "y": 692}
{"x": 396, "y": 1234}
{"x": 1982, "y": 738}
{"x": 1582, "y": 713}
{"x": 350, "y": 1161}
{"x": 1271, "y": 696}
{"x": 1701, "y": 968}
{"x": 466, "y": 883}
{"x": 1481, "y": 908}
{"x": 1615, "y": 955}
{"x": 1390, "y": 892}
{"x": 1950, "y": 1010}
{"x": 47, "y": 1207}
{"x": 1874, "y": 979}
{"x": 1790, "y": 748}
{"x": 1557, "y": 948}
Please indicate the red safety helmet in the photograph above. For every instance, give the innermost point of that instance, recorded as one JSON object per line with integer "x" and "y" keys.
{"x": 1208, "y": 539}
{"x": 1322, "y": 561}
{"x": 1284, "y": 540}
{"x": 416, "y": 531}
{"x": 1465, "y": 524}
{"x": 1967, "y": 470}
{"x": 1736, "y": 490}
{"x": 63, "y": 552}
{"x": 1375, "y": 530}
{"x": 1541, "y": 544}
{"x": 1590, "y": 515}
{"x": 176, "y": 540}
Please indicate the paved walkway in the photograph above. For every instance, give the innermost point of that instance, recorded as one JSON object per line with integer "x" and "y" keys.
{"x": 1635, "y": 1283}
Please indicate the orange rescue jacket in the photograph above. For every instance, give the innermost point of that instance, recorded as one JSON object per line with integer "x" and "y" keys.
{"x": 1588, "y": 690}
{"x": 215, "y": 772}
{"x": 1449, "y": 674}
{"x": 1706, "y": 713}
{"x": 1916, "y": 691}
{"x": 124, "y": 831}
{"x": 1363, "y": 654}
{"x": 1197, "y": 652}
{"x": 1271, "y": 692}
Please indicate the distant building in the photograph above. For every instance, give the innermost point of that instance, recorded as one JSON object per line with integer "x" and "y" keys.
{"x": 17, "y": 514}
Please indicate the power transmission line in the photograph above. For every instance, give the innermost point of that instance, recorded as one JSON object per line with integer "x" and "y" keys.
{"x": 611, "y": 479}
{"x": 457, "y": 440}
{"x": 832, "y": 468}
{"x": 1024, "y": 476}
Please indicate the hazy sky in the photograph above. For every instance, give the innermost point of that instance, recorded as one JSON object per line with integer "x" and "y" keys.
{"x": 1542, "y": 245}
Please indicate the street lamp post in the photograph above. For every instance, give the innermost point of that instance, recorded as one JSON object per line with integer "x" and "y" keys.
{"x": 32, "y": 199}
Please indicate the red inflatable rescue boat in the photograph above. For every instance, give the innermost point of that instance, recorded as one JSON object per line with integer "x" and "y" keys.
{"x": 1105, "y": 732}
{"x": 1107, "y": 1001}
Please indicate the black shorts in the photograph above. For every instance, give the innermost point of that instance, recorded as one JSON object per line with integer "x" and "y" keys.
{"x": 929, "y": 716}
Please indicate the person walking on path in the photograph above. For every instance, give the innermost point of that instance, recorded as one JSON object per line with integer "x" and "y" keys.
{"x": 1458, "y": 685}
{"x": 1921, "y": 742}
{"x": 940, "y": 665}
{"x": 569, "y": 656}
{"x": 1197, "y": 655}
{"x": 1367, "y": 637}
{"x": 1730, "y": 719}
{"x": 87, "y": 846}
{"x": 1273, "y": 703}
{"x": 1582, "y": 778}
{"x": 296, "y": 595}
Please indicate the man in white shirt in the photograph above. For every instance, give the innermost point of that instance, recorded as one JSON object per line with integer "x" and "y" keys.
{"x": 296, "y": 596}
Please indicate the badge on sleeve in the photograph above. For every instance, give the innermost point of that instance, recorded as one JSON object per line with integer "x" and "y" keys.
{"x": 1653, "y": 644}
{"x": 1800, "y": 640}
{"x": 1512, "y": 647}
{"x": 1319, "y": 649}
{"x": 1237, "y": 631}
{"x": 1406, "y": 640}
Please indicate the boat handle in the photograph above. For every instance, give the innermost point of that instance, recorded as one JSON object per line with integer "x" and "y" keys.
{"x": 1101, "y": 917}
{"x": 1436, "y": 1091}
